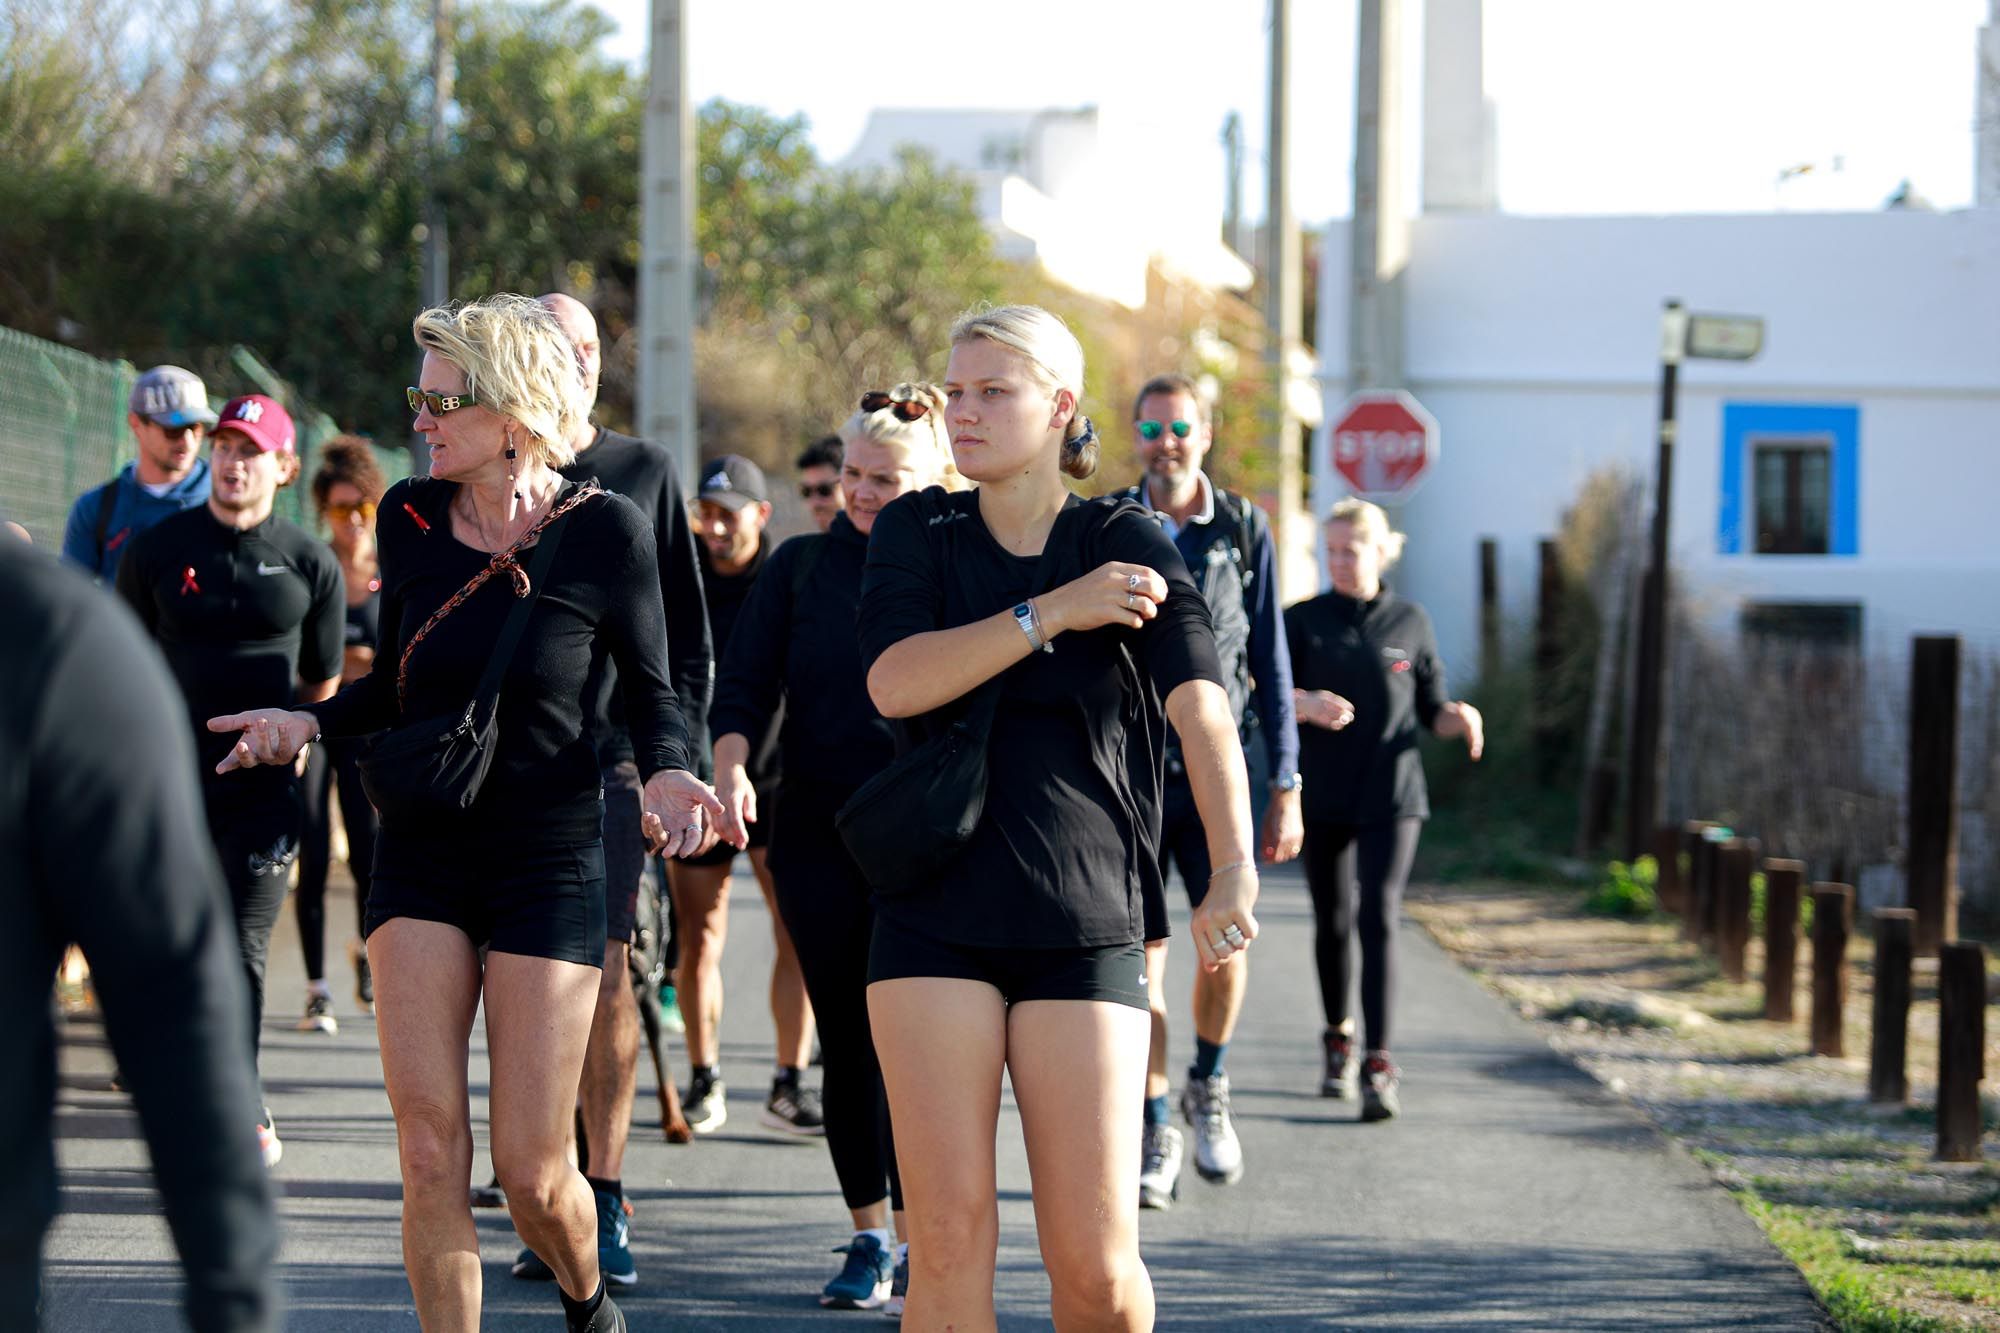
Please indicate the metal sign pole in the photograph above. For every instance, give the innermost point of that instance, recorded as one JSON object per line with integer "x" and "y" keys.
{"x": 666, "y": 241}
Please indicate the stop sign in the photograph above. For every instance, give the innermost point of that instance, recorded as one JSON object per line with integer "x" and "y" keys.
{"x": 1384, "y": 443}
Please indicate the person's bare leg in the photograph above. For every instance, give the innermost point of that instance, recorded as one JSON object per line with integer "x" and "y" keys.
{"x": 701, "y": 904}
{"x": 791, "y": 1010}
{"x": 1156, "y": 996}
{"x": 942, "y": 1042}
{"x": 1217, "y": 1000}
{"x": 1075, "y": 1066}
{"x": 611, "y": 1066}
{"x": 426, "y": 991}
{"x": 538, "y": 1019}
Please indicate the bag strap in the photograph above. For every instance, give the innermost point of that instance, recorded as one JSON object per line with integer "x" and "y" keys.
{"x": 106, "y": 494}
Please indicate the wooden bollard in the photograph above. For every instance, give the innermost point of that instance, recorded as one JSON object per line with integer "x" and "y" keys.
{"x": 1691, "y": 837}
{"x": 1782, "y": 882}
{"x": 1699, "y": 925}
{"x": 1833, "y": 918}
{"x": 1961, "y": 1049}
{"x": 1667, "y": 853}
{"x": 1889, "y": 1034}
{"x": 1932, "y": 839}
{"x": 1735, "y": 860}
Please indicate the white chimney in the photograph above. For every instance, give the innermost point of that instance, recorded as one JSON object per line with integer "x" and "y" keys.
{"x": 1986, "y": 134}
{"x": 1458, "y": 118}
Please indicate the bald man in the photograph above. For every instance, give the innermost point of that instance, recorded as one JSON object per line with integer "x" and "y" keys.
{"x": 644, "y": 473}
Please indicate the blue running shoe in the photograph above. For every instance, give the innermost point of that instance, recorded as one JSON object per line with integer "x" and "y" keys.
{"x": 614, "y": 1241}
{"x": 865, "y": 1279}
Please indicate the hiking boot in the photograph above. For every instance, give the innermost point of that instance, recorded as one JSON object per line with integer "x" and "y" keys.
{"x": 1379, "y": 1079}
{"x": 319, "y": 1015}
{"x": 1218, "y": 1157}
{"x": 791, "y": 1109}
{"x": 1160, "y": 1167}
{"x": 865, "y": 1280}
{"x": 614, "y": 1241}
{"x": 704, "y": 1106}
{"x": 1343, "y": 1071}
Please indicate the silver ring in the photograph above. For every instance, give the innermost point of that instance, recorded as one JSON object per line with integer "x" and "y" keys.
{"x": 1219, "y": 943}
{"x": 1132, "y": 582}
{"x": 1128, "y": 601}
{"x": 692, "y": 828}
{"x": 1233, "y": 934}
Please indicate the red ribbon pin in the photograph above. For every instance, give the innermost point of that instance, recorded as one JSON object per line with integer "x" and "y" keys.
{"x": 411, "y": 511}
{"x": 188, "y": 584}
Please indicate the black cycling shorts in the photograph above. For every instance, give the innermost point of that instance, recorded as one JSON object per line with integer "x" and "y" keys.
{"x": 1112, "y": 973}
{"x": 542, "y": 900}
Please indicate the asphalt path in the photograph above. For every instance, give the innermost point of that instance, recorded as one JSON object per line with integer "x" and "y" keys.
{"x": 1512, "y": 1193}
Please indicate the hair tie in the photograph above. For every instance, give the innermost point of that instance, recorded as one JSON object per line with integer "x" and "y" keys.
{"x": 1083, "y": 439}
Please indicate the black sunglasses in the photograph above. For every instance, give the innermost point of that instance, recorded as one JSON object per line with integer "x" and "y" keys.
{"x": 438, "y": 403}
{"x": 1153, "y": 430}
{"x": 904, "y": 408}
{"x": 817, "y": 490}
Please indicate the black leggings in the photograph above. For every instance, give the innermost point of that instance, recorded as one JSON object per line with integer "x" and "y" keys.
{"x": 1364, "y": 867}
{"x": 256, "y": 846}
{"x": 826, "y": 906}
{"x": 328, "y": 764}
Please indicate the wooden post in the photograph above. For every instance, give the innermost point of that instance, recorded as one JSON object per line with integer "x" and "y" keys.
{"x": 1700, "y": 886}
{"x": 1548, "y": 724}
{"x": 1889, "y": 1036}
{"x": 1489, "y": 609}
{"x": 1933, "y": 790}
{"x": 1735, "y": 861}
{"x": 1667, "y": 852}
{"x": 1961, "y": 1049}
{"x": 1833, "y": 918}
{"x": 1782, "y": 881}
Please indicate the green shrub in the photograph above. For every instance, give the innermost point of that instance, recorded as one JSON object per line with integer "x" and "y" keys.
{"x": 1628, "y": 890}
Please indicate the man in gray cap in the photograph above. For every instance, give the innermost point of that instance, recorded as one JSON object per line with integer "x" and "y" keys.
{"x": 169, "y": 416}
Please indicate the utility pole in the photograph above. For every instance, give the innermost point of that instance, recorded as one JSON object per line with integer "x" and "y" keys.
{"x": 1642, "y": 787}
{"x": 1379, "y": 247}
{"x": 666, "y": 243}
{"x": 1284, "y": 312}
{"x": 437, "y": 242}
{"x": 1232, "y": 182}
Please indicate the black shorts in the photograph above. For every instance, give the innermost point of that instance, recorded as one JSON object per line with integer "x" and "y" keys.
{"x": 543, "y": 900}
{"x": 1113, "y": 973}
{"x": 624, "y": 851}
{"x": 1183, "y": 841}
{"x": 722, "y": 854}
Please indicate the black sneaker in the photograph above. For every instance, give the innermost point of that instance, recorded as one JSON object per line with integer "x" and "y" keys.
{"x": 1379, "y": 1079}
{"x": 364, "y": 980}
{"x": 608, "y": 1319}
{"x": 791, "y": 1109}
{"x": 489, "y": 1195}
{"x": 528, "y": 1266}
{"x": 1343, "y": 1072}
{"x": 319, "y": 1015}
{"x": 705, "y": 1106}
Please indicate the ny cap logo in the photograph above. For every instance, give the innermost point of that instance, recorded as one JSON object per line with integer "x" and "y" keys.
{"x": 250, "y": 410}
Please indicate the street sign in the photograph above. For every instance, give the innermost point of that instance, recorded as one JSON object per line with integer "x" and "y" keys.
{"x": 1724, "y": 337}
{"x": 1384, "y": 444}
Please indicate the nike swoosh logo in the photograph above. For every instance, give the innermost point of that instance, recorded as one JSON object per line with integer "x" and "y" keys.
{"x": 263, "y": 568}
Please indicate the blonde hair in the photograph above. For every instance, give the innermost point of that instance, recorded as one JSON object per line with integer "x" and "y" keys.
{"x": 1055, "y": 359}
{"x": 517, "y": 362}
{"x": 922, "y": 445}
{"x": 1371, "y": 525}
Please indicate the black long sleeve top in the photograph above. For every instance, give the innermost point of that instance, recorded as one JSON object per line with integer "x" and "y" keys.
{"x": 601, "y": 597}
{"x": 644, "y": 473}
{"x": 102, "y": 844}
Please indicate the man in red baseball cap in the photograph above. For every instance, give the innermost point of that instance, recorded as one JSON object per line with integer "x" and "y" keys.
{"x": 248, "y": 608}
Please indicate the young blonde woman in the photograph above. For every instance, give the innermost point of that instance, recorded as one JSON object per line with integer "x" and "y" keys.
{"x": 1026, "y": 952}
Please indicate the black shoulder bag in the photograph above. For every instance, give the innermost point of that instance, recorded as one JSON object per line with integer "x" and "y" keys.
{"x": 434, "y": 767}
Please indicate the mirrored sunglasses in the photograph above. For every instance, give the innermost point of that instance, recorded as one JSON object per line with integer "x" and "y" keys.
{"x": 1153, "y": 430}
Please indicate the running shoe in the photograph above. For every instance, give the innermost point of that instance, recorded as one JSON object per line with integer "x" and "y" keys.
{"x": 528, "y": 1265}
{"x": 1160, "y": 1167}
{"x": 670, "y": 1011}
{"x": 899, "y": 1287}
{"x": 1343, "y": 1071}
{"x": 319, "y": 1015}
{"x": 791, "y": 1109}
{"x": 865, "y": 1280}
{"x": 614, "y": 1241}
{"x": 489, "y": 1195}
{"x": 1218, "y": 1157}
{"x": 267, "y": 1140}
{"x": 704, "y": 1106}
{"x": 1379, "y": 1080}
{"x": 364, "y": 980}
{"x": 608, "y": 1319}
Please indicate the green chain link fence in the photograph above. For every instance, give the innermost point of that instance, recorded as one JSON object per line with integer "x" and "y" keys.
{"x": 63, "y": 431}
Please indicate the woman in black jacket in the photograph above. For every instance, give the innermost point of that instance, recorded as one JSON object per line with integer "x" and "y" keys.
{"x": 1366, "y": 675}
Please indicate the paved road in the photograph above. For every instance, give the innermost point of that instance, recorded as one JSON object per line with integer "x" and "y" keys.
{"x": 1512, "y": 1193}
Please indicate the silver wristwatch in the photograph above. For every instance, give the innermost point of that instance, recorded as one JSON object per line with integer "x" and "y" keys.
{"x": 1031, "y": 625}
{"x": 1287, "y": 782}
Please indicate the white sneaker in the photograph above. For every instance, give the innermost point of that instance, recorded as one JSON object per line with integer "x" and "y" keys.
{"x": 1218, "y": 1157}
{"x": 319, "y": 1015}
{"x": 1160, "y": 1167}
{"x": 267, "y": 1142}
{"x": 705, "y": 1106}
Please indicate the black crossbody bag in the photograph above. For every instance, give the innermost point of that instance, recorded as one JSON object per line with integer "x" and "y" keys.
{"x": 434, "y": 767}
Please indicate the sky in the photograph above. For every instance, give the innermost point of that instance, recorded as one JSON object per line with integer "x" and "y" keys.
{"x": 1602, "y": 106}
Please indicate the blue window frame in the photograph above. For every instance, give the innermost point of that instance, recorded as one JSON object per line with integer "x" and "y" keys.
{"x": 1779, "y": 428}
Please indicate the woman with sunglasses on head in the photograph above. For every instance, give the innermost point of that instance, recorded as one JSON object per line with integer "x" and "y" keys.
{"x": 346, "y": 487}
{"x": 794, "y": 644}
{"x": 519, "y": 871}
{"x": 1026, "y": 951}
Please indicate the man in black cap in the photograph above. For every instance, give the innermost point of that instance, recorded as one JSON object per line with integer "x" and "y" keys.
{"x": 168, "y": 415}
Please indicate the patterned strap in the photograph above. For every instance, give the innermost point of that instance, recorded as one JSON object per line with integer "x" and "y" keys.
{"x": 507, "y": 560}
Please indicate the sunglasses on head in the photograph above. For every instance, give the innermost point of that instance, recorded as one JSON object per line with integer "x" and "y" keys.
{"x": 438, "y": 403}
{"x": 817, "y": 490}
{"x": 1153, "y": 430}
{"x": 904, "y": 408}
{"x": 338, "y": 514}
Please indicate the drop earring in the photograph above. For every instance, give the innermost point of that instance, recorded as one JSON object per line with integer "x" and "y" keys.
{"x": 511, "y": 477}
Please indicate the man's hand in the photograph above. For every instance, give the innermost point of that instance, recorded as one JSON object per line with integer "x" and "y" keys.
{"x": 1284, "y": 830}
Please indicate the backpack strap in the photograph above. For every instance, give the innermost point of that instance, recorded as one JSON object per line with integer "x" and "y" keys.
{"x": 106, "y": 495}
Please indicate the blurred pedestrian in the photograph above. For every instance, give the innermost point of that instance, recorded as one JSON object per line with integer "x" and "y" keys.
{"x": 732, "y": 515}
{"x": 247, "y": 607}
{"x": 1065, "y": 624}
{"x": 101, "y": 844}
{"x": 1226, "y": 542}
{"x": 168, "y": 416}
{"x": 819, "y": 480}
{"x": 1367, "y": 674}
{"x": 512, "y": 862}
{"x": 347, "y": 487}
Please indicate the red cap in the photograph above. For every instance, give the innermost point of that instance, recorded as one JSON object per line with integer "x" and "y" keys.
{"x": 263, "y": 419}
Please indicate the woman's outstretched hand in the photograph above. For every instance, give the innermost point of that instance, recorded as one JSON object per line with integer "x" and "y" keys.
{"x": 270, "y": 736}
{"x": 680, "y": 813}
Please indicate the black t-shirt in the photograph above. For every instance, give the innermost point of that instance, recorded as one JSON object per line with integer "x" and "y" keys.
{"x": 1063, "y": 855}
{"x": 602, "y": 596}
{"x": 1382, "y": 657}
{"x": 242, "y": 615}
{"x": 364, "y": 620}
{"x": 725, "y": 595}
{"x": 644, "y": 473}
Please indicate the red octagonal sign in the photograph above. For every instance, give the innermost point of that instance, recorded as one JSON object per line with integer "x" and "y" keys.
{"x": 1384, "y": 443}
